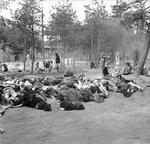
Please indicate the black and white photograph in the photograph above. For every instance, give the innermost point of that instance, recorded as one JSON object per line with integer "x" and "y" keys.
{"x": 74, "y": 72}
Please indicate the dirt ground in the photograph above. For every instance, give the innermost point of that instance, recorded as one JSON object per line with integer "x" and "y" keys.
{"x": 118, "y": 120}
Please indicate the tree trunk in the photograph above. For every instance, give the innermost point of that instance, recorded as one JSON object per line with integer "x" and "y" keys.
{"x": 63, "y": 57}
{"x": 43, "y": 51}
{"x": 24, "y": 63}
{"x": 33, "y": 42}
{"x": 32, "y": 60}
{"x": 144, "y": 54}
{"x": 74, "y": 51}
{"x": 33, "y": 50}
{"x": 24, "y": 59}
{"x": 117, "y": 57}
{"x": 98, "y": 48}
{"x": 91, "y": 49}
{"x": 135, "y": 57}
{"x": 32, "y": 64}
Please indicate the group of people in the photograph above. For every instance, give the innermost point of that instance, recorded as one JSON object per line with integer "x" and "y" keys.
{"x": 117, "y": 70}
{"x": 129, "y": 69}
{"x": 116, "y": 82}
{"x": 48, "y": 65}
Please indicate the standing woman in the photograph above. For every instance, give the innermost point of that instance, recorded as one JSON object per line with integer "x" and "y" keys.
{"x": 57, "y": 60}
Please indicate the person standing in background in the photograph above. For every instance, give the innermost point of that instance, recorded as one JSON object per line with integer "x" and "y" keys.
{"x": 57, "y": 61}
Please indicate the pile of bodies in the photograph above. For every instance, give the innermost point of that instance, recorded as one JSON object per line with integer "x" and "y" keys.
{"x": 69, "y": 90}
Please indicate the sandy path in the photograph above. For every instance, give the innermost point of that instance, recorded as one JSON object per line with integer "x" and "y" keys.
{"x": 116, "y": 121}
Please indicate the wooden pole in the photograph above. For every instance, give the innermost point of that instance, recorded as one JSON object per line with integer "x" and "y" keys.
{"x": 74, "y": 55}
{"x": 43, "y": 52}
{"x": 117, "y": 2}
{"x": 91, "y": 50}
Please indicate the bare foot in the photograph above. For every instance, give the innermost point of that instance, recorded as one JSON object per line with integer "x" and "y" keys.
{"x": 2, "y": 113}
{"x": 1, "y": 131}
{"x": 62, "y": 109}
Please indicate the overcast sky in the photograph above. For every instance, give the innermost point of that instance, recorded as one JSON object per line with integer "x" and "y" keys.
{"x": 77, "y": 5}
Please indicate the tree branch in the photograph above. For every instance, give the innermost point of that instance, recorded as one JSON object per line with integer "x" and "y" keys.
{"x": 136, "y": 1}
{"x": 145, "y": 2}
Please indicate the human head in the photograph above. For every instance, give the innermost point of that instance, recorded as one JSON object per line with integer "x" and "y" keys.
{"x": 56, "y": 54}
{"x": 42, "y": 106}
{"x": 127, "y": 63}
{"x": 17, "y": 101}
{"x": 106, "y": 64}
{"x": 119, "y": 77}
